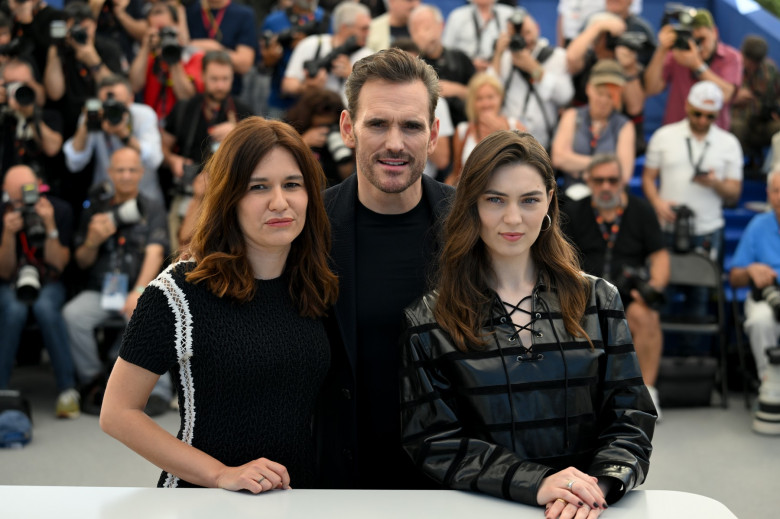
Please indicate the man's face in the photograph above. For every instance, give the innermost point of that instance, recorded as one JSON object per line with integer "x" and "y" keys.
{"x": 125, "y": 172}
{"x": 706, "y": 39}
{"x": 392, "y": 134}
{"x": 217, "y": 81}
{"x": 773, "y": 193}
{"x": 700, "y": 120}
{"x": 618, "y": 7}
{"x": 14, "y": 74}
{"x": 426, "y": 32}
{"x": 5, "y": 35}
{"x": 530, "y": 32}
{"x": 160, "y": 17}
{"x": 15, "y": 179}
{"x": 401, "y": 9}
{"x": 606, "y": 185}
{"x": 360, "y": 29}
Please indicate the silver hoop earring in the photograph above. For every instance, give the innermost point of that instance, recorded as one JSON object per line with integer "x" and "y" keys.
{"x": 549, "y": 222}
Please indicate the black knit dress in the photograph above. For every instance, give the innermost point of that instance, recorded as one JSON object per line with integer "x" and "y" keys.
{"x": 247, "y": 374}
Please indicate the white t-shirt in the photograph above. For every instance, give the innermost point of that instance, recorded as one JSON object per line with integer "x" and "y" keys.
{"x": 307, "y": 49}
{"x": 442, "y": 113}
{"x": 574, "y": 13}
{"x": 460, "y": 31}
{"x": 720, "y": 151}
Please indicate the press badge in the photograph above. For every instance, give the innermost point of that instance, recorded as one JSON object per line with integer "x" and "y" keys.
{"x": 114, "y": 291}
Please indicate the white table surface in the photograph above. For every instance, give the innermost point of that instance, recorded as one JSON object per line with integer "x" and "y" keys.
{"x": 24, "y": 502}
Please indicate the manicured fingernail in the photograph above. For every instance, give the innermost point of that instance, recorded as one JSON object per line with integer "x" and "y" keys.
{"x": 595, "y": 505}
{"x": 580, "y": 503}
{"x": 605, "y": 506}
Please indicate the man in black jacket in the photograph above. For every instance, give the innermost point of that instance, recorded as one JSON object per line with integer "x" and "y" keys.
{"x": 385, "y": 239}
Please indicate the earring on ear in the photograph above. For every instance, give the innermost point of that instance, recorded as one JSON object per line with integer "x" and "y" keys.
{"x": 549, "y": 222}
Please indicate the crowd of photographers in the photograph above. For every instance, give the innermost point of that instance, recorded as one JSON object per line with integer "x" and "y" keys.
{"x": 110, "y": 108}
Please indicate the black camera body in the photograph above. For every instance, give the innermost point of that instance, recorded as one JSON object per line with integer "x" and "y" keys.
{"x": 683, "y": 229}
{"x": 338, "y": 150}
{"x": 11, "y": 49}
{"x": 770, "y": 294}
{"x": 99, "y": 200}
{"x": 170, "y": 48}
{"x": 636, "y": 41}
{"x": 113, "y": 110}
{"x": 680, "y": 17}
{"x": 21, "y": 92}
{"x": 638, "y": 278}
{"x": 79, "y": 35}
{"x": 517, "y": 42}
{"x": 313, "y": 66}
{"x": 33, "y": 223}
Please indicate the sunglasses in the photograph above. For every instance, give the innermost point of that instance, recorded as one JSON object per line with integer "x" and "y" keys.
{"x": 612, "y": 181}
{"x": 696, "y": 113}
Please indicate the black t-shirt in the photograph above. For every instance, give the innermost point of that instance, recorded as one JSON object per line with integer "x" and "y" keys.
{"x": 454, "y": 65}
{"x": 63, "y": 219}
{"x": 109, "y": 27}
{"x": 180, "y": 124}
{"x": 638, "y": 237}
{"x": 390, "y": 275}
{"x": 398, "y": 33}
{"x": 79, "y": 80}
{"x": 35, "y": 37}
{"x": 21, "y": 148}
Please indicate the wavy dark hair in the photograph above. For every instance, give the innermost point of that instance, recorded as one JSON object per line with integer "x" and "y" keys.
{"x": 218, "y": 245}
{"x": 465, "y": 271}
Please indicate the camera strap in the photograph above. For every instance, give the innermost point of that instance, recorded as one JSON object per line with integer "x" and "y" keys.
{"x": 478, "y": 26}
{"x": 610, "y": 234}
{"x": 697, "y": 165}
{"x": 29, "y": 252}
{"x": 544, "y": 55}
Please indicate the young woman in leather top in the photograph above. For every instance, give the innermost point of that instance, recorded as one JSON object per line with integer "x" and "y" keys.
{"x": 519, "y": 377}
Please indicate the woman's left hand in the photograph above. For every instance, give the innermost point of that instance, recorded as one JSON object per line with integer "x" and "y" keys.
{"x": 560, "y": 509}
{"x": 573, "y": 486}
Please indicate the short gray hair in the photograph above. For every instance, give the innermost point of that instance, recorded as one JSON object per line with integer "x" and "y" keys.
{"x": 347, "y": 12}
{"x": 430, "y": 8}
{"x": 604, "y": 158}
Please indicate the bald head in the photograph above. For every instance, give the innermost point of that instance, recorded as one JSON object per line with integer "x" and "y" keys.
{"x": 15, "y": 178}
{"x": 125, "y": 171}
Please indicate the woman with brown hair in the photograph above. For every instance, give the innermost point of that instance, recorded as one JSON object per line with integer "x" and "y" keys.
{"x": 237, "y": 322}
{"x": 519, "y": 377}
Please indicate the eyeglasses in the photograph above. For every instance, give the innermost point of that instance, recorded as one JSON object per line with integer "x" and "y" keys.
{"x": 696, "y": 113}
{"x": 612, "y": 181}
{"x": 699, "y": 41}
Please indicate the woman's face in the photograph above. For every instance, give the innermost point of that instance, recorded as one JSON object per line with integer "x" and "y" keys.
{"x": 601, "y": 99}
{"x": 487, "y": 100}
{"x": 272, "y": 213}
{"x": 511, "y": 210}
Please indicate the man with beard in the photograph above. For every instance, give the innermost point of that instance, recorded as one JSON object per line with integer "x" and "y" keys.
{"x": 384, "y": 231}
{"x": 196, "y": 127}
{"x": 619, "y": 239}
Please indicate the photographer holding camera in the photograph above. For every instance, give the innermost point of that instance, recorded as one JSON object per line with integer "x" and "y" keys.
{"x": 196, "y": 127}
{"x": 164, "y": 69}
{"x": 536, "y": 82}
{"x": 755, "y": 111}
{"x": 281, "y": 31}
{"x": 121, "y": 242}
{"x": 756, "y": 263}
{"x": 34, "y": 249}
{"x": 30, "y": 134}
{"x": 619, "y": 239}
{"x": 704, "y": 59}
{"x": 325, "y": 61}
{"x": 113, "y": 121}
{"x": 78, "y": 60}
{"x": 627, "y": 38}
{"x": 31, "y": 21}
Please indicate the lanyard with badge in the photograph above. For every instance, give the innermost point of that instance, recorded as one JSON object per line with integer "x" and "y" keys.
{"x": 610, "y": 234}
{"x": 115, "y": 282}
{"x": 211, "y": 23}
{"x": 697, "y": 171}
{"x": 478, "y": 27}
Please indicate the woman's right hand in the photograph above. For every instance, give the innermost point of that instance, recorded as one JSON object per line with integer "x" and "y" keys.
{"x": 573, "y": 486}
{"x": 256, "y": 476}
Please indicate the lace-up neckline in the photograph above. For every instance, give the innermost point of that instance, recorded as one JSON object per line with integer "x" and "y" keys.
{"x": 510, "y": 309}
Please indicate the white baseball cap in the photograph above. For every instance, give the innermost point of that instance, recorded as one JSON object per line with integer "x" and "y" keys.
{"x": 707, "y": 96}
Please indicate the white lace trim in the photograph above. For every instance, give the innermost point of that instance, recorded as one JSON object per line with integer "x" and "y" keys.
{"x": 183, "y": 342}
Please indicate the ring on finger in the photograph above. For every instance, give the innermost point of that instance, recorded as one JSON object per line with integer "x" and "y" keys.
{"x": 570, "y": 484}
{"x": 262, "y": 478}
{"x": 562, "y": 500}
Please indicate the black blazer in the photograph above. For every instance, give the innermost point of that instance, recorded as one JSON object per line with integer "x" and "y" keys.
{"x": 336, "y": 423}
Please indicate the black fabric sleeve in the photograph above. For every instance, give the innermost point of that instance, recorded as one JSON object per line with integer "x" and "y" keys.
{"x": 149, "y": 340}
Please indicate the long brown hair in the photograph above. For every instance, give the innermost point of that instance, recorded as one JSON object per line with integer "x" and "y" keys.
{"x": 218, "y": 245}
{"x": 465, "y": 271}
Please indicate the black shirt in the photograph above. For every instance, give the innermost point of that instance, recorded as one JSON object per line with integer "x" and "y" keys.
{"x": 453, "y": 65}
{"x": 35, "y": 37}
{"x": 390, "y": 276}
{"x": 638, "y": 237}
{"x": 20, "y": 148}
{"x": 193, "y": 141}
